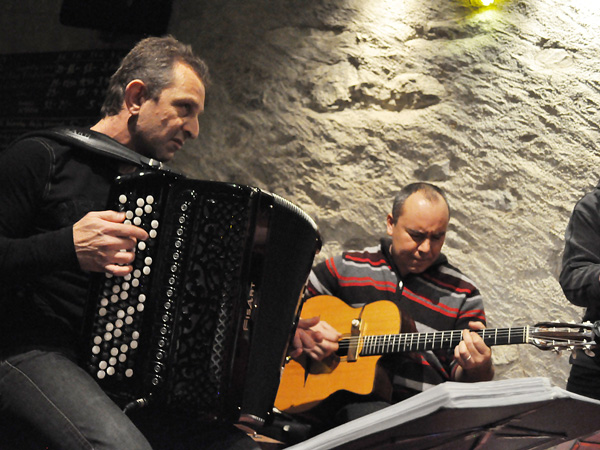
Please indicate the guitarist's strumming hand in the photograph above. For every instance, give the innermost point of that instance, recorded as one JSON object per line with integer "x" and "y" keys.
{"x": 474, "y": 357}
{"x": 315, "y": 339}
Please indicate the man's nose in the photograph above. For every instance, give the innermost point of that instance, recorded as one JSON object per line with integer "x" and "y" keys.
{"x": 191, "y": 127}
{"x": 425, "y": 246}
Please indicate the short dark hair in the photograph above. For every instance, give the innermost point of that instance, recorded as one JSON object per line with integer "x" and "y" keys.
{"x": 431, "y": 192}
{"x": 152, "y": 61}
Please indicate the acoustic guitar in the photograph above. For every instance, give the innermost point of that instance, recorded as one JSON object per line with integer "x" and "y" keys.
{"x": 372, "y": 331}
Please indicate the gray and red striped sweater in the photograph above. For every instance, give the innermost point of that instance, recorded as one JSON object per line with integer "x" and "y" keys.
{"x": 441, "y": 298}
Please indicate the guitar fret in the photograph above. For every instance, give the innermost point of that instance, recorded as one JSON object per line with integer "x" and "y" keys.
{"x": 438, "y": 340}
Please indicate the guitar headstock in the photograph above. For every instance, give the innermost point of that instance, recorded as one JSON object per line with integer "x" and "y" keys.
{"x": 559, "y": 336}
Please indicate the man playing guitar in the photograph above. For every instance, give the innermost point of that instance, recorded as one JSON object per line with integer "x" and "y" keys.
{"x": 430, "y": 294}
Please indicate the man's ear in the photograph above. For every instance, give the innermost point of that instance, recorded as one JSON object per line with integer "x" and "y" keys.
{"x": 135, "y": 96}
{"x": 390, "y": 224}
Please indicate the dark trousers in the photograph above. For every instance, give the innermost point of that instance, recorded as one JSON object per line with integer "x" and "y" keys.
{"x": 47, "y": 401}
{"x": 337, "y": 409}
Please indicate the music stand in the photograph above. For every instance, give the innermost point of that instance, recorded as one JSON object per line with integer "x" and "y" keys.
{"x": 527, "y": 413}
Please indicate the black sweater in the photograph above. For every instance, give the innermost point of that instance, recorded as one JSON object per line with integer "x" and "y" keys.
{"x": 580, "y": 275}
{"x": 45, "y": 187}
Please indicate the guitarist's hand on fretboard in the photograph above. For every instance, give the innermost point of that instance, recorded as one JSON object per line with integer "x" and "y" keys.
{"x": 473, "y": 356}
{"x": 314, "y": 338}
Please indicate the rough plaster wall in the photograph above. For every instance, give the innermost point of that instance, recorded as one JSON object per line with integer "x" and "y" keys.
{"x": 335, "y": 104}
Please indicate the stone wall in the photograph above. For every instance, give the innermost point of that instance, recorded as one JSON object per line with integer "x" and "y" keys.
{"x": 335, "y": 104}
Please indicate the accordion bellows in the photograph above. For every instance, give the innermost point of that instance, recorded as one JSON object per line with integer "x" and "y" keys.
{"x": 203, "y": 323}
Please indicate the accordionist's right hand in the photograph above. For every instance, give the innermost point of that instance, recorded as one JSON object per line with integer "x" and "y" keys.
{"x": 103, "y": 243}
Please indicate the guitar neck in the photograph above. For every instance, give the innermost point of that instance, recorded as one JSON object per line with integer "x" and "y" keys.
{"x": 438, "y": 340}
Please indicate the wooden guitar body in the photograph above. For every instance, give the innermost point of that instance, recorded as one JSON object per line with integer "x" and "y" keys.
{"x": 300, "y": 391}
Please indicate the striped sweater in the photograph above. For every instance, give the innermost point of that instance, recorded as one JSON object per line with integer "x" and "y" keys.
{"x": 441, "y": 298}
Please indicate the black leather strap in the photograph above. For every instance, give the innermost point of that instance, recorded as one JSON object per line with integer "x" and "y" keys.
{"x": 101, "y": 144}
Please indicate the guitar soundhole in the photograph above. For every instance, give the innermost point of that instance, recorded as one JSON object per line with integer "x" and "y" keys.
{"x": 344, "y": 345}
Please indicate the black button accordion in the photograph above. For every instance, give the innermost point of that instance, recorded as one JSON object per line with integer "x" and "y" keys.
{"x": 204, "y": 321}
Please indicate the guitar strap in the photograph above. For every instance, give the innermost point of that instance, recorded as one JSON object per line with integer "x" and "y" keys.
{"x": 100, "y": 144}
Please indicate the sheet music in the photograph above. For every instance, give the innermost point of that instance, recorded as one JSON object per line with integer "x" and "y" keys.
{"x": 450, "y": 395}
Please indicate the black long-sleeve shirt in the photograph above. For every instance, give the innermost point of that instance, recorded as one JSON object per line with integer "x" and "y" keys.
{"x": 45, "y": 187}
{"x": 580, "y": 275}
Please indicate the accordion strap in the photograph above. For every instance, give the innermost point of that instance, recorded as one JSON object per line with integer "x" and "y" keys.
{"x": 101, "y": 144}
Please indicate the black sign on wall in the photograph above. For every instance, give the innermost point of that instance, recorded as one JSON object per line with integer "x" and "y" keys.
{"x": 41, "y": 90}
{"x": 147, "y": 17}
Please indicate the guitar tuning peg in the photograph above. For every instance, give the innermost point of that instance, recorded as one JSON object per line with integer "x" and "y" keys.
{"x": 589, "y": 352}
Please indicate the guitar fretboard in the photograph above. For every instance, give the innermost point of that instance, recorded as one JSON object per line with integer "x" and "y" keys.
{"x": 438, "y": 340}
